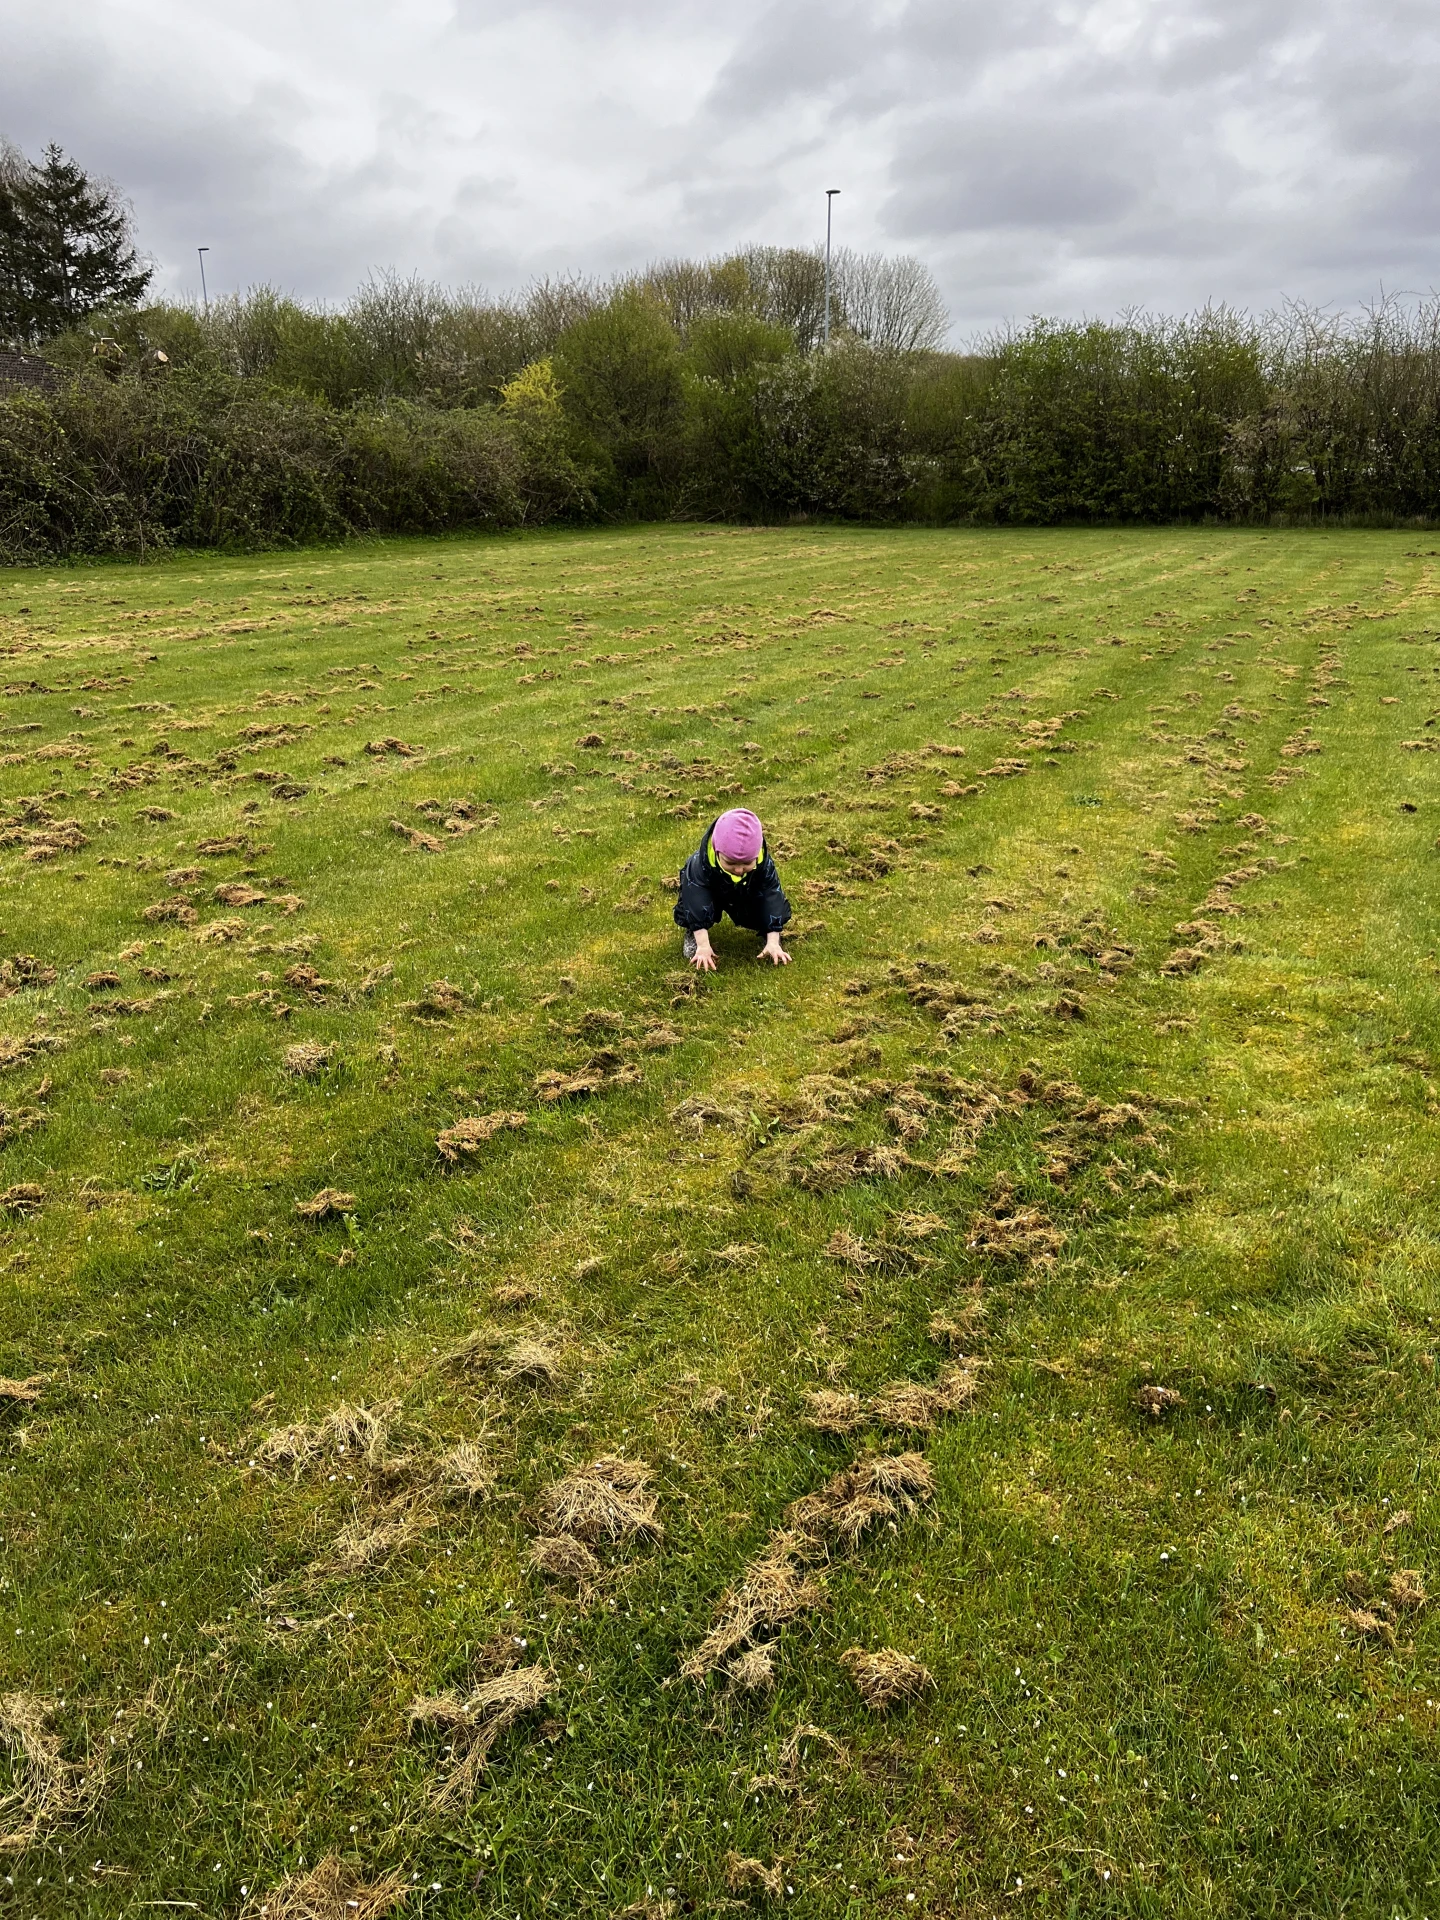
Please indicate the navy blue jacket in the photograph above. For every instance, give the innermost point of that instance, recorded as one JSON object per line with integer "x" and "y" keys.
{"x": 756, "y": 900}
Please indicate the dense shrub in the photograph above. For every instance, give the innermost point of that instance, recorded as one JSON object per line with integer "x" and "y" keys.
{"x": 126, "y": 466}
{"x": 1102, "y": 423}
{"x": 1218, "y": 416}
{"x": 811, "y": 433}
{"x": 620, "y": 375}
{"x": 1349, "y": 424}
{"x": 45, "y": 507}
{"x": 683, "y": 393}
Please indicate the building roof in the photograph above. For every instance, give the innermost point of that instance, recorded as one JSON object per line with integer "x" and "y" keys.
{"x": 26, "y": 370}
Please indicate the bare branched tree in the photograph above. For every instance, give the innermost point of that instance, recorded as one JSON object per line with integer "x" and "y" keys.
{"x": 552, "y": 305}
{"x": 689, "y": 290}
{"x": 890, "y": 301}
{"x": 788, "y": 289}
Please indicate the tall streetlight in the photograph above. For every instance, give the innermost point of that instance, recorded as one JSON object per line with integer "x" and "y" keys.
{"x": 830, "y": 193}
{"x": 204, "y": 291}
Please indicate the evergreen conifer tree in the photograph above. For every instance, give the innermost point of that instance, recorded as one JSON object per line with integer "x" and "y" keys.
{"x": 66, "y": 249}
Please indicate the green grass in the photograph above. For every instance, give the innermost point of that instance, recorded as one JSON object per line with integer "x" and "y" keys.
{"x": 1157, "y": 1607}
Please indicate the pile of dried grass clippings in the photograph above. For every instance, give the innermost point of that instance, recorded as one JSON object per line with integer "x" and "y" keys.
{"x": 50, "y": 1791}
{"x": 360, "y": 1433}
{"x": 886, "y": 1678}
{"x": 331, "y": 1890}
{"x": 473, "y": 1722}
{"x": 469, "y": 1135}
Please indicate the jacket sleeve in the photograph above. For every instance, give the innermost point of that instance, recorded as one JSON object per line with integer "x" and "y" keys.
{"x": 774, "y": 907}
{"x": 694, "y": 907}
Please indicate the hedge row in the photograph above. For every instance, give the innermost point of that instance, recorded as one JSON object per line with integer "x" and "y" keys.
{"x": 632, "y": 415}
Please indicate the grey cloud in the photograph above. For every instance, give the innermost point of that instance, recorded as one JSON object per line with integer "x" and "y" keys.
{"x": 801, "y": 51}
{"x": 1040, "y": 155}
{"x": 1021, "y": 171}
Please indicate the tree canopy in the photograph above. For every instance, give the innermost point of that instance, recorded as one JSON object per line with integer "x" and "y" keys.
{"x": 66, "y": 247}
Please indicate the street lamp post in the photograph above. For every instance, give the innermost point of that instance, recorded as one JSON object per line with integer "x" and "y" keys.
{"x": 830, "y": 193}
{"x": 204, "y": 291}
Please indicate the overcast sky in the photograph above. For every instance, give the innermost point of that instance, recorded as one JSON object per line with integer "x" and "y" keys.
{"x": 1039, "y": 156}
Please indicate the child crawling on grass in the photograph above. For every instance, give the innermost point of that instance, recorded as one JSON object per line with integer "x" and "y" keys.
{"x": 731, "y": 872}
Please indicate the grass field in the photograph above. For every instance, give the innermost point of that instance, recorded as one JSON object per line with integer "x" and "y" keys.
{"x": 1075, "y": 1187}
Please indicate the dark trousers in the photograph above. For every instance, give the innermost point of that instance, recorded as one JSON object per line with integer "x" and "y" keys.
{"x": 738, "y": 916}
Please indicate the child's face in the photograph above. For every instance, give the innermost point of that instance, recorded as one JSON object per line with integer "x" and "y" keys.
{"x": 737, "y": 869}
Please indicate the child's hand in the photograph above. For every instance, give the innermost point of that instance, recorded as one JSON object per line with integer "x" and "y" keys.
{"x": 774, "y": 952}
{"x": 704, "y": 960}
